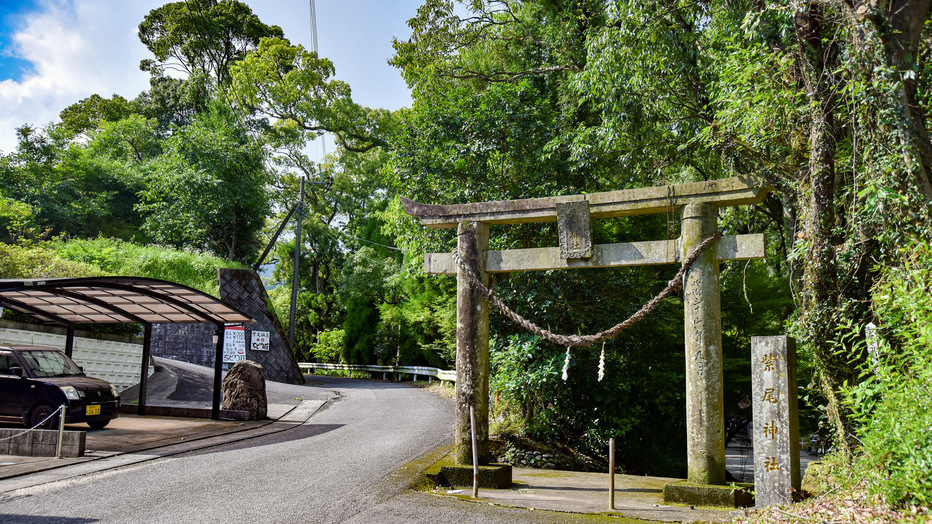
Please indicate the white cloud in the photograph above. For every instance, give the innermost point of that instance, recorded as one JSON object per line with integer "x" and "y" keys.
{"x": 77, "y": 49}
{"x": 82, "y": 47}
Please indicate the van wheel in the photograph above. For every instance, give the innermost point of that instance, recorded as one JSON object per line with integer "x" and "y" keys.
{"x": 40, "y": 413}
{"x": 98, "y": 424}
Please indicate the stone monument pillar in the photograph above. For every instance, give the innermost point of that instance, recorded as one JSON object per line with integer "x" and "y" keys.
{"x": 705, "y": 419}
{"x": 472, "y": 345}
{"x": 776, "y": 420}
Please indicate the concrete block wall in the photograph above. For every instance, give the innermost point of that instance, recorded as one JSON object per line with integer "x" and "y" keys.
{"x": 117, "y": 360}
{"x": 42, "y": 443}
{"x": 192, "y": 343}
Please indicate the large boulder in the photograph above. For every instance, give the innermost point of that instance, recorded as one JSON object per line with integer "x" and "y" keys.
{"x": 244, "y": 389}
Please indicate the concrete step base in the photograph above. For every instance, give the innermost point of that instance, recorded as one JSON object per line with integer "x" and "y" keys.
{"x": 184, "y": 412}
{"x": 493, "y": 476}
{"x": 727, "y": 496}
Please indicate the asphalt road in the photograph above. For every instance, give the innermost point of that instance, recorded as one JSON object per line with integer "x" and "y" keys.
{"x": 352, "y": 462}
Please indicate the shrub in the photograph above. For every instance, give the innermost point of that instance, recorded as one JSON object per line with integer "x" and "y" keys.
{"x": 40, "y": 262}
{"x": 116, "y": 257}
{"x": 894, "y": 403}
{"x": 328, "y": 346}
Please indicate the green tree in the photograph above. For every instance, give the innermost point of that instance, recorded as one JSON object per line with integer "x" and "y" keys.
{"x": 295, "y": 88}
{"x": 133, "y": 139}
{"x": 174, "y": 101}
{"x": 71, "y": 191}
{"x": 207, "y": 189}
{"x": 17, "y": 221}
{"x": 88, "y": 114}
{"x": 201, "y": 36}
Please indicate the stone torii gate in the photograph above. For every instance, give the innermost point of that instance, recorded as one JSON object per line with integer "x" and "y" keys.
{"x": 703, "y": 331}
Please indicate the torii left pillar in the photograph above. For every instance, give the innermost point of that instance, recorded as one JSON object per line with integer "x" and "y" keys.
{"x": 705, "y": 419}
{"x": 472, "y": 345}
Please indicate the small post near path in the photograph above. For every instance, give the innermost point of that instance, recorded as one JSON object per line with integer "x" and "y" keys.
{"x": 611, "y": 473}
{"x": 573, "y": 213}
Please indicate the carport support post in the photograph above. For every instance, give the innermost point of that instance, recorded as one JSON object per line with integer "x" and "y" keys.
{"x": 472, "y": 345}
{"x": 69, "y": 341}
{"x": 218, "y": 373}
{"x": 144, "y": 378}
{"x": 705, "y": 419}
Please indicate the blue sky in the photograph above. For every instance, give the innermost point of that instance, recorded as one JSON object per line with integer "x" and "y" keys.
{"x": 54, "y": 53}
{"x": 11, "y": 66}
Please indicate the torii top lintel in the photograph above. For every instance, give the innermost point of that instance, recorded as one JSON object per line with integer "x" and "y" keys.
{"x": 734, "y": 191}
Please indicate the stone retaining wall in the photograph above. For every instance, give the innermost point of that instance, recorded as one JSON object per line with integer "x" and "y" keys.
{"x": 192, "y": 343}
{"x": 243, "y": 289}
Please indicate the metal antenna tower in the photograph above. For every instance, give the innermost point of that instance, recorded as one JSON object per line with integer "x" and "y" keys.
{"x": 313, "y": 27}
{"x": 314, "y": 48}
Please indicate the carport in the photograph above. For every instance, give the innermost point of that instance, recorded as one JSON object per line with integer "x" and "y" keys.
{"x": 122, "y": 300}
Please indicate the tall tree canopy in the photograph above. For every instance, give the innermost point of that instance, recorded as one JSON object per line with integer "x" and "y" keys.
{"x": 295, "y": 88}
{"x": 207, "y": 190}
{"x": 201, "y": 36}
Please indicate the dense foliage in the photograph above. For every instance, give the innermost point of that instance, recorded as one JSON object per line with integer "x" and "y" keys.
{"x": 824, "y": 101}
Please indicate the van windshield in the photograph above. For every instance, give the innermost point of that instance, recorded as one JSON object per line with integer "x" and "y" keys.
{"x": 50, "y": 364}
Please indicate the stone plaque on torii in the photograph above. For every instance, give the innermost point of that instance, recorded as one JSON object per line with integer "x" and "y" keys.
{"x": 699, "y": 201}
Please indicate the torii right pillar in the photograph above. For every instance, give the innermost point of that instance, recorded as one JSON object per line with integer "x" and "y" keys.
{"x": 705, "y": 418}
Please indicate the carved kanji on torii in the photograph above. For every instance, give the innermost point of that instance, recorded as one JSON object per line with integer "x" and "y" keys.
{"x": 699, "y": 202}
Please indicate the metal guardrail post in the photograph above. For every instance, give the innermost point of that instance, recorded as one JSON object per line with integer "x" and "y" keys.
{"x": 61, "y": 430}
{"x": 475, "y": 453}
{"x": 611, "y": 473}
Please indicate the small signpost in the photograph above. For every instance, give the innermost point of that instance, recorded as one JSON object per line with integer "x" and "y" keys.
{"x": 260, "y": 341}
{"x": 776, "y": 420}
{"x": 234, "y": 344}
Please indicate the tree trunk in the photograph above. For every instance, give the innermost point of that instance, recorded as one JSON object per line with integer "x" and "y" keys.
{"x": 900, "y": 31}
{"x": 820, "y": 286}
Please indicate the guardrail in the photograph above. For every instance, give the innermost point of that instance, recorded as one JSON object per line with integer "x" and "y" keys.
{"x": 440, "y": 374}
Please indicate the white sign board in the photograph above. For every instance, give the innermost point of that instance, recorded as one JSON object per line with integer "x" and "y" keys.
{"x": 234, "y": 344}
{"x": 260, "y": 341}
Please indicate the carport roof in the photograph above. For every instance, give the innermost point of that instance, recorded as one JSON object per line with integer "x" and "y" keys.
{"x": 111, "y": 300}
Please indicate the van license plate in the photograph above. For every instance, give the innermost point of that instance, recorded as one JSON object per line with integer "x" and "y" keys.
{"x": 93, "y": 410}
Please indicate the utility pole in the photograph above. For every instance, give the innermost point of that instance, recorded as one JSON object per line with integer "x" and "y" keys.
{"x": 297, "y": 257}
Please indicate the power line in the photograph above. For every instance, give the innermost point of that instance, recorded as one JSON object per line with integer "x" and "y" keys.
{"x": 367, "y": 241}
{"x": 377, "y": 261}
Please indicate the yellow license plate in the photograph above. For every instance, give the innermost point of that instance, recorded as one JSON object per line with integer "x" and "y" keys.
{"x": 93, "y": 410}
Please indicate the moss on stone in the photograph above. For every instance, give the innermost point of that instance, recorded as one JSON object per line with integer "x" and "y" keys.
{"x": 713, "y": 495}
{"x": 493, "y": 476}
{"x": 817, "y": 478}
